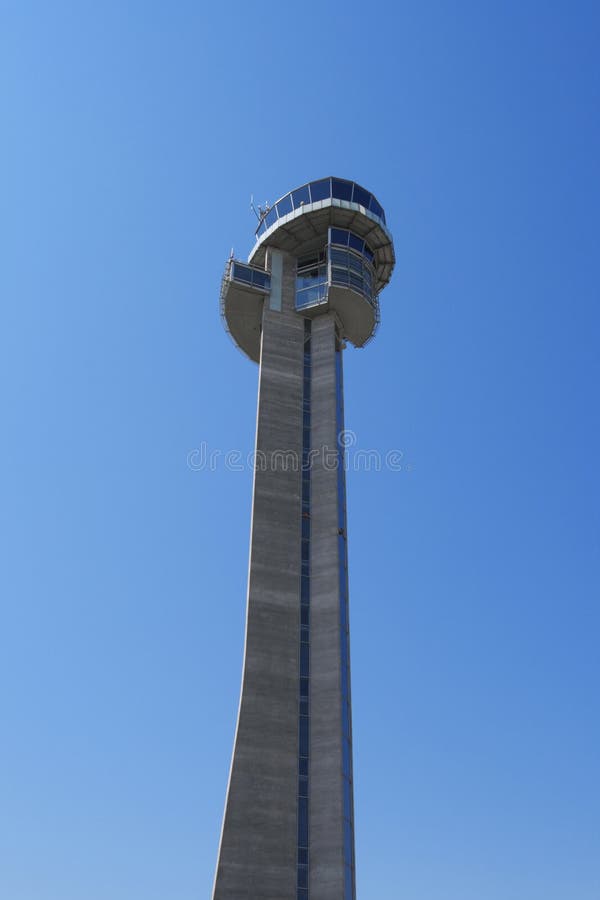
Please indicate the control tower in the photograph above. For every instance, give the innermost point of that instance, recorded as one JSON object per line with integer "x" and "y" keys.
{"x": 311, "y": 285}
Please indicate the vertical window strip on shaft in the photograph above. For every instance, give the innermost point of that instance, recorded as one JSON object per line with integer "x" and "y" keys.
{"x": 302, "y": 868}
{"x": 349, "y": 867}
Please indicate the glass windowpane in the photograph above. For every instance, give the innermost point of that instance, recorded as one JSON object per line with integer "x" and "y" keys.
{"x": 304, "y": 660}
{"x": 342, "y": 190}
{"x": 320, "y": 190}
{"x": 285, "y": 205}
{"x": 376, "y": 208}
{"x": 339, "y": 236}
{"x": 361, "y": 196}
{"x": 300, "y": 197}
{"x": 356, "y": 242}
{"x": 302, "y": 822}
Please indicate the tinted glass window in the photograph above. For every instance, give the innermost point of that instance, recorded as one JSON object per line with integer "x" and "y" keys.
{"x": 343, "y": 621}
{"x": 348, "y": 892}
{"x": 347, "y": 800}
{"x": 284, "y": 206}
{"x": 304, "y": 656}
{"x": 310, "y": 296}
{"x": 376, "y": 208}
{"x": 303, "y": 786}
{"x": 345, "y": 719}
{"x": 341, "y": 189}
{"x": 344, "y": 677}
{"x": 300, "y": 196}
{"x": 261, "y": 279}
{"x": 303, "y": 822}
{"x": 304, "y": 589}
{"x": 312, "y": 260}
{"x": 310, "y": 277}
{"x": 242, "y": 273}
{"x": 361, "y": 196}
{"x": 344, "y": 653}
{"x": 355, "y": 262}
{"x": 339, "y": 276}
{"x": 356, "y": 242}
{"x": 339, "y": 236}
{"x": 339, "y": 257}
{"x": 303, "y": 736}
{"x": 348, "y": 841}
{"x": 320, "y": 190}
{"x": 346, "y": 757}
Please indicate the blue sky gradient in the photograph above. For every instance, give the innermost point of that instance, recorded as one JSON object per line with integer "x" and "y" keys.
{"x": 133, "y": 137}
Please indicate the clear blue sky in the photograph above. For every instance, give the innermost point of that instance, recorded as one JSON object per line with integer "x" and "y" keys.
{"x": 132, "y": 137}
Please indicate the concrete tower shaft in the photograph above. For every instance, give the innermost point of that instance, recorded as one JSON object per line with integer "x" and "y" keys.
{"x": 311, "y": 284}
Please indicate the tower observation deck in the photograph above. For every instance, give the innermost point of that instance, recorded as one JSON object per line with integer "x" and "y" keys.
{"x": 311, "y": 284}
